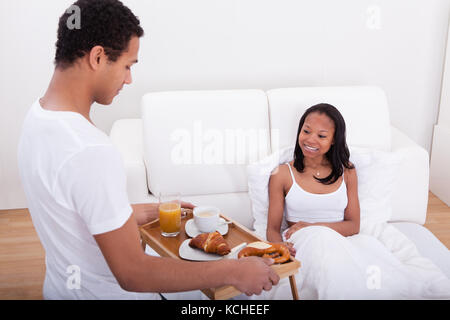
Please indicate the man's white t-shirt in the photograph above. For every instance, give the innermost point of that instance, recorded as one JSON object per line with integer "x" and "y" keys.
{"x": 75, "y": 185}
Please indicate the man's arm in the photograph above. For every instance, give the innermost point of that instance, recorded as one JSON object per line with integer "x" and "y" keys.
{"x": 138, "y": 272}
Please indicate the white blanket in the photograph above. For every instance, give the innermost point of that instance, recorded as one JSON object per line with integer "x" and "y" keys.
{"x": 378, "y": 263}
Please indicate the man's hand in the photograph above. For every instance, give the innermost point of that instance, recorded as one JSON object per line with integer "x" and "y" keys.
{"x": 253, "y": 274}
{"x": 146, "y": 212}
{"x": 130, "y": 266}
{"x": 187, "y": 205}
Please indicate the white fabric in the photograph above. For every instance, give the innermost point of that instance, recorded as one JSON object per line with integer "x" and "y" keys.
{"x": 427, "y": 244}
{"x": 258, "y": 187}
{"x": 203, "y": 139}
{"x": 75, "y": 186}
{"x": 300, "y": 205}
{"x": 377, "y": 173}
{"x": 364, "y": 109}
{"x": 378, "y": 263}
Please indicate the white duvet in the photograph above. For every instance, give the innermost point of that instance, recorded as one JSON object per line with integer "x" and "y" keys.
{"x": 378, "y": 263}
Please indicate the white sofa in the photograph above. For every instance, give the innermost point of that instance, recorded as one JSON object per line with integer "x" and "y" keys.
{"x": 199, "y": 143}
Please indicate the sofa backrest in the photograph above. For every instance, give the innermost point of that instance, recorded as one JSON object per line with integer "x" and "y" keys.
{"x": 365, "y": 111}
{"x": 200, "y": 142}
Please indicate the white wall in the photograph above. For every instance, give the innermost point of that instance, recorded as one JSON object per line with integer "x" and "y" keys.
{"x": 231, "y": 44}
{"x": 444, "y": 107}
{"x": 440, "y": 153}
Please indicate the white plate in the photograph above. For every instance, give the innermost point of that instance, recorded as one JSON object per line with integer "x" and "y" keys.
{"x": 188, "y": 253}
{"x": 192, "y": 230}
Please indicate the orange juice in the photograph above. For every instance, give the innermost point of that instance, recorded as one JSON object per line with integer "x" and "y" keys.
{"x": 170, "y": 218}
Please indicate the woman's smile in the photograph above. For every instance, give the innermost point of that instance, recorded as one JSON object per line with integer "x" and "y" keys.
{"x": 310, "y": 149}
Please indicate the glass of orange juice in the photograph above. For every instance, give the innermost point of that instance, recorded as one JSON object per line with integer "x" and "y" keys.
{"x": 170, "y": 214}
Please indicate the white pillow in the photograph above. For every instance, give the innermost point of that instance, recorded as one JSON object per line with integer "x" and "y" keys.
{"x": 376, "y": 172}
{"x": 258, "y": 186}
{"x": 377, "y": 176}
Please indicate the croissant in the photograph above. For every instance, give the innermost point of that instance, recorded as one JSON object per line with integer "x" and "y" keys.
{"x": 211, "y": 242}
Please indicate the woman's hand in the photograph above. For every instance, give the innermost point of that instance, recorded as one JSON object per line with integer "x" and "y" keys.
{"x": 291, "y": 248}
{"x": 299, "y": 225}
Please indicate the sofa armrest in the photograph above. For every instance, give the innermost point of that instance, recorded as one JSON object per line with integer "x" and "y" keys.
{"x": 127, "y": 136}
{"x": 410, "y": 196}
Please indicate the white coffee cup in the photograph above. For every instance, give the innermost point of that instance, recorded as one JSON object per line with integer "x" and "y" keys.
{"x": 206, "y": 218}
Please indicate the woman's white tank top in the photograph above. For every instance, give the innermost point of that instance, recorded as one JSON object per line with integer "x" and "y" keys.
{"x": 301, "y": 205}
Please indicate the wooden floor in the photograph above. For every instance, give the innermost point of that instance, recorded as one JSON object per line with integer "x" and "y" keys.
{"x": 22, "y": 266}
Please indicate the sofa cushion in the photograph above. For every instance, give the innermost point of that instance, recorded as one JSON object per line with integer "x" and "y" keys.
{"x": 364, "y": 109}
{"x": 410, "y": 198}
{"x": 199, "y": 142}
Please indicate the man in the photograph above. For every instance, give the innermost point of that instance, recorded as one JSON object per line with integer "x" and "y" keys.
{"x": 75, "y": 183}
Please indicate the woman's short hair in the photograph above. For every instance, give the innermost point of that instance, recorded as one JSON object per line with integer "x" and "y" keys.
{"x": 338, "y": 155}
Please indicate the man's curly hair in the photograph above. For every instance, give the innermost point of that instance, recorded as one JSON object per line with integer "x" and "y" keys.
{"x": 107, "y": 23}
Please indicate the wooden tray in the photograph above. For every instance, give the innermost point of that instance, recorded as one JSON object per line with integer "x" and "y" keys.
{"x": 237, "y": 234}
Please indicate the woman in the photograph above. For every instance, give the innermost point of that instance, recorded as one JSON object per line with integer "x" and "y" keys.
{"x": 319, "y": 187}
{"x": 317, "y": 194}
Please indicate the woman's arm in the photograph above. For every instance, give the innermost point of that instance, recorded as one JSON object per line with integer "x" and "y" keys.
{"x": 276, "y": 206}
{"x": 351, "y": 223}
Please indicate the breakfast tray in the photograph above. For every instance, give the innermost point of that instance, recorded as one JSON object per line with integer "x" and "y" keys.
{"x": 237, "y": 234}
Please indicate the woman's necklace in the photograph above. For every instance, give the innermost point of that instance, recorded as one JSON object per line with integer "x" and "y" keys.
{"x": 317, "y": 174}
{"x": 316, "y": 171}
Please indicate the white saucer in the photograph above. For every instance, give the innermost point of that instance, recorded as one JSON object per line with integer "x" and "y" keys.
{"x": 188, "y": 253}
{"x": 192, "y": 231}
